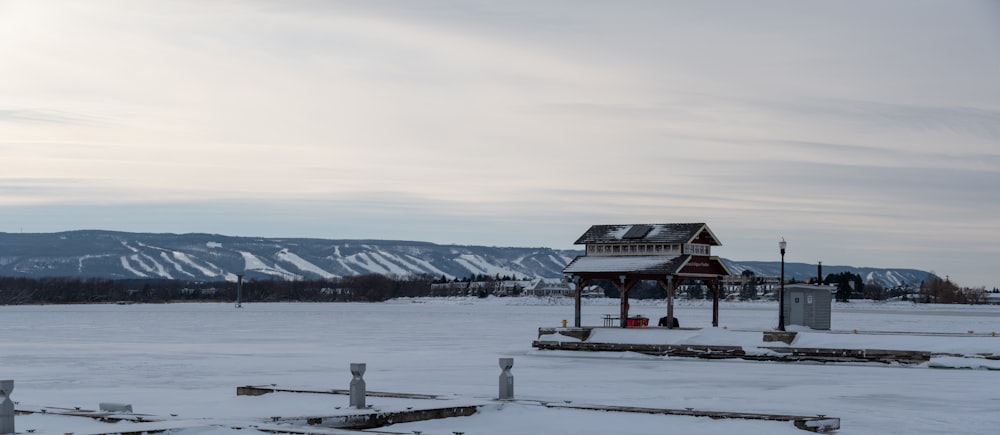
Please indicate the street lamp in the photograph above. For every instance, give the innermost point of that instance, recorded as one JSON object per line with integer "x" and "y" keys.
{"x": 781, "y": 296}
{"x": 239, "y": 290}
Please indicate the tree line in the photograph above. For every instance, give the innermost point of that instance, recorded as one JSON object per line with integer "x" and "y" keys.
{"x": 377, "y": 288}
{"x": 934, "y": 290}
{"x": 360, "y": 288}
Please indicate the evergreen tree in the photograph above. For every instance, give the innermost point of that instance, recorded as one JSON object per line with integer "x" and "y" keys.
{"x": 749, "y": 289}
{"x": 847, "y": 284}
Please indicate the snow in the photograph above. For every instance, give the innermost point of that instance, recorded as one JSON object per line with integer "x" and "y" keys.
{"x": 251, "y": 262}
{"x": 128, "y": 267}
{"x": 481, "y": 266}
{"x": 188, "y": 359}
{"x": 410, "y": 263}
{"x": 79, "y": 263}
{"x": 562, "y": 261}
{"x": 176, "y": 265}
{"x": 619, "y": 232}
{"x": 137, "y": 257}
{"x": 182, "y": 257}
{"x": 367, "y": 262}
{"x": 343, "y": 263}
{"x": 614, "y": 264}
{"x": 427, "y": 266}
{"x": 150, "y": 265}
{"x": 385, "y": 261}
{"x": 304, "y": 265}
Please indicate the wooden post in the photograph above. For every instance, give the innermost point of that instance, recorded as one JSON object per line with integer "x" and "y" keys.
{"x": 579, "y": 296}
{"x": 715, "y": 303}
{"x": 623, "y": 293}
{"x": 670, "y": 301}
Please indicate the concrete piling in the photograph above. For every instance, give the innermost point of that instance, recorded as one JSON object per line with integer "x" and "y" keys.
{"x": 116, "y": 407}
{"x": 358, "y": 385}
{"x": 506, "y": 379}
{"x": 6, "y": 407}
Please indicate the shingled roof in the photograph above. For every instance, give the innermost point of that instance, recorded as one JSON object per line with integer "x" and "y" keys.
{"x": 649, "y": 233}
{"x": 647, "y": 265}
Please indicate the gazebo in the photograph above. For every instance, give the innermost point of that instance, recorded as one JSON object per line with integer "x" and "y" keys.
{"x": 664, "y": 253}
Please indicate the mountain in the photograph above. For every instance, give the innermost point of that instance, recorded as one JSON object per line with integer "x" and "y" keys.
{"x": 213, "y": 257}
{"x": 803, "y": 272}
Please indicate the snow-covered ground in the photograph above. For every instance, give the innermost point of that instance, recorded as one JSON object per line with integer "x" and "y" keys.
{"x": 188, "y": 359}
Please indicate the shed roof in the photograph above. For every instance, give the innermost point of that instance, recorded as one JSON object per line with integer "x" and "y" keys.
{"x": 649, "y": 233}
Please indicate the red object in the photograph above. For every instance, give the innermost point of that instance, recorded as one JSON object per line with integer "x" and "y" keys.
{"x": 638, "y": 322}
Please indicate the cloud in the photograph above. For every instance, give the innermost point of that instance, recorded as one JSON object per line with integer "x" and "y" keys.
{"x": 867, "y": 116}
{"x": 45, "y": 116}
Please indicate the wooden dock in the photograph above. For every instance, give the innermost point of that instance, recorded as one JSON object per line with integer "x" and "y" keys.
{"x": 370, "y": 419}
{"x": 260, "y": 390}
{"x": 375, "y": 419}
{"x": 774, "y": 353}
{"x": 757, "y": 353}
{"x": 358, "y": 419}
{"x": 348, "y": 421}
{"x": 104, "y": 416}
{"x": 815, "y": 423}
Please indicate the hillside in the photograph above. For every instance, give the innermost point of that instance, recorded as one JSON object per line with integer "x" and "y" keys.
{"x": 213, "y": 257}
{"x": 804, "y": 271}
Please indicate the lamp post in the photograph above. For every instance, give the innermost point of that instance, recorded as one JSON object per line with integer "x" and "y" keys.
{"x": 781, "y": 296}
{"x": 239, "y": 291}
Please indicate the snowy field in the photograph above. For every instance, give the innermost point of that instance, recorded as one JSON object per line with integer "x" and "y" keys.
{"x": 187, "y": 360}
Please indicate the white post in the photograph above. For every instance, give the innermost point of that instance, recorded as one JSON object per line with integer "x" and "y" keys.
{"x": 506, "y": 379}
{"x": 358, "y": 385}
{"x": 6, "y": 407}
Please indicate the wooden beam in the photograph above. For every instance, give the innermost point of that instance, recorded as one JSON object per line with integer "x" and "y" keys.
{"x": 715, "y": 286}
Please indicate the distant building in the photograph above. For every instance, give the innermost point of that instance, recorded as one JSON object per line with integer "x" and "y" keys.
{"x": 453, "y": 288}
{"x": 547, "y": 287}
{"x": 592, "y": 291}
{"x": 991, "y": 298}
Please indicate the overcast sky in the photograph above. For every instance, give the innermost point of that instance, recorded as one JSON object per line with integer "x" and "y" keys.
{"x": 865, "y": 133}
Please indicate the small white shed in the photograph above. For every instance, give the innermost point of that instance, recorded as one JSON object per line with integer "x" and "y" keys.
{"x": 808, "y": 305}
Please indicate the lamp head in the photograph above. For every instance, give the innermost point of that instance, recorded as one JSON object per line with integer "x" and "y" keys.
{"x": 782, "y": 244}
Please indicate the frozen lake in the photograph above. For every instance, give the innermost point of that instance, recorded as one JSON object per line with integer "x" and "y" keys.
{"x": 188, "y": 359}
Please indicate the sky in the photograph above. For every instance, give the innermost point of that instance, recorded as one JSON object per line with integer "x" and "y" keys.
{"x": 866, "y": 133}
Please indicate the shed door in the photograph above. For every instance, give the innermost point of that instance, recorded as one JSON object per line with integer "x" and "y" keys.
{"x": 796, "y": 303}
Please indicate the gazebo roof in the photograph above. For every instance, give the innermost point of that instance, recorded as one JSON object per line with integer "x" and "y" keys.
{"x": 647, "y": 265}
{"x": 649, "y": 233}
{"x": 652, "y": 264}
